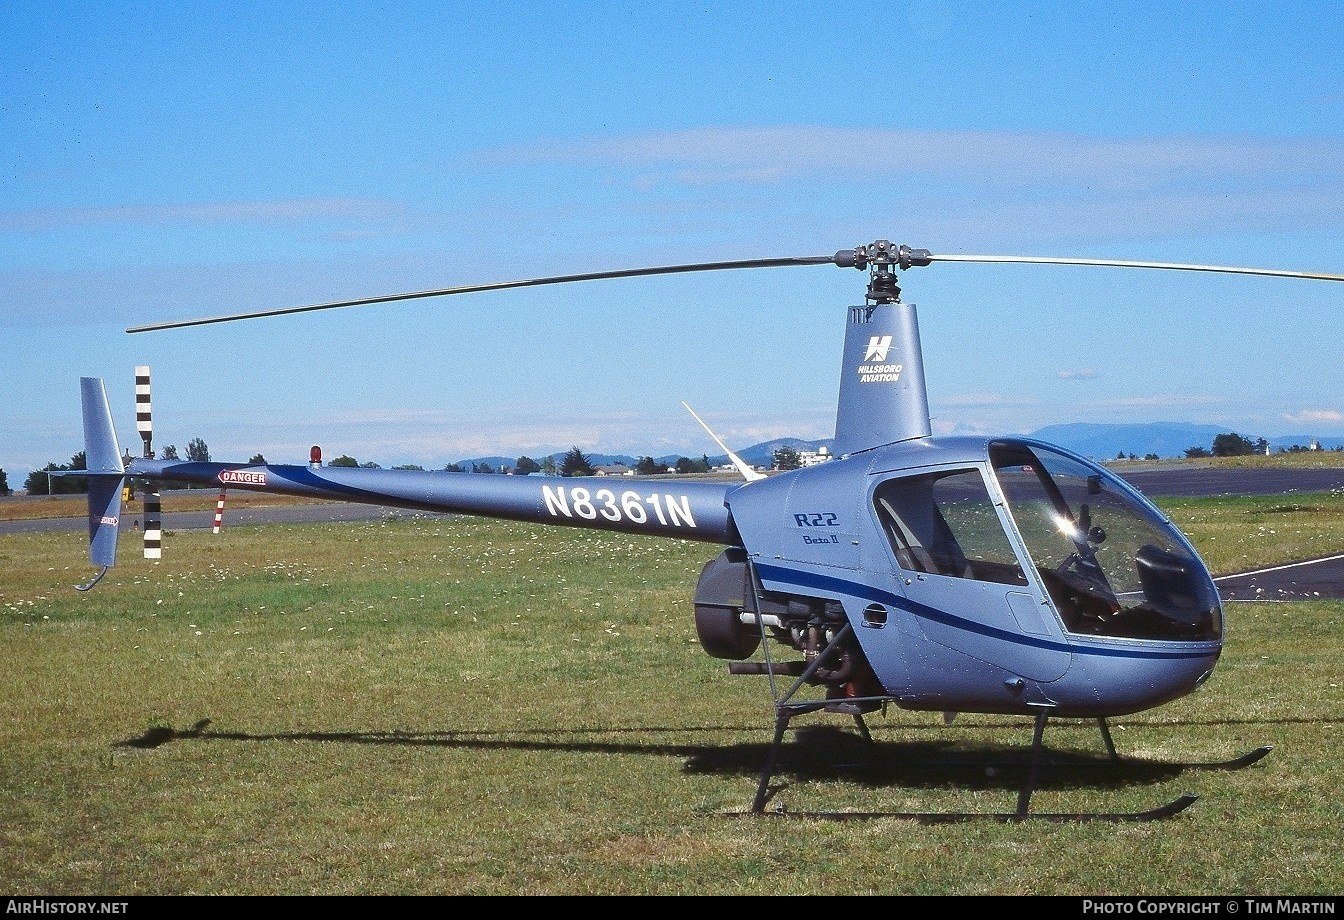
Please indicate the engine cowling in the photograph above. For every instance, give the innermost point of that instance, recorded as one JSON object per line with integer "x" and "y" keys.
{"x": 723, "y": 592}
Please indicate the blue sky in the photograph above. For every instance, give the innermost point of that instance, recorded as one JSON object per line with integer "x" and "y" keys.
{"x": 168, "y": 161}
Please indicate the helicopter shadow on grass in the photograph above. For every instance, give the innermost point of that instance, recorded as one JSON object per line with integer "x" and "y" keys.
{"x": 814, "y": 753}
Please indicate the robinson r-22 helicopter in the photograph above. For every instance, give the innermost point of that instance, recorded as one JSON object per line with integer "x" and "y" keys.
{"x": 997, "y": 575}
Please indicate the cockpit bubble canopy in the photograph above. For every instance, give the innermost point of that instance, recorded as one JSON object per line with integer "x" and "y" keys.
{"x": 1112, "y": 564}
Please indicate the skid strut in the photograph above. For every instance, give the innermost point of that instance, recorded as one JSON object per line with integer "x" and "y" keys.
{"x": 786, "y": 711}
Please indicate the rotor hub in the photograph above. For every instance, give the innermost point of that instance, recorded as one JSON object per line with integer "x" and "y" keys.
{"x": 880, "y": 257}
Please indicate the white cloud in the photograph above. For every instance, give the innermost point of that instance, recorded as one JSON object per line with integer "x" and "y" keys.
{"x": 943, "y": 427}
{"x": 966, "y": 185}
{"x": 973, "y": 399}
{"x": 1309, "y": 416}
{"x": 1160, "y": 401}
{"x": 767, "y": 154}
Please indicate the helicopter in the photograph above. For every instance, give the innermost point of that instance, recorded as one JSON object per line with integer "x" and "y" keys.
{"x": 985, "y": 574}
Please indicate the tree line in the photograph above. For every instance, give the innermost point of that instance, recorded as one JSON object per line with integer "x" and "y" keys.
{"x": 40, "y": 482}
{"x": 1232, "y": 444}
{"x": 1229, "y": 444}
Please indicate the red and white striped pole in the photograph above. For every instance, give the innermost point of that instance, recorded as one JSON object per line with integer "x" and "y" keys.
{"x": 219, "y": 510}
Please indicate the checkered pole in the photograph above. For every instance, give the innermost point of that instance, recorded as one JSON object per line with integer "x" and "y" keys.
{"x": 145, "y": 425}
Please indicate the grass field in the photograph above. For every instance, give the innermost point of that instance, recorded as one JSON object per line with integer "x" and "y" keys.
{"x": 458, "y": 706}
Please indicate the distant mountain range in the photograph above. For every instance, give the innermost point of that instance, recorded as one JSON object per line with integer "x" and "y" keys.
{"x": 1100, "y": 442}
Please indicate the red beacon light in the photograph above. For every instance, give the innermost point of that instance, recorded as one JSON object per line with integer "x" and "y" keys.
{"x": 315, "y": 456}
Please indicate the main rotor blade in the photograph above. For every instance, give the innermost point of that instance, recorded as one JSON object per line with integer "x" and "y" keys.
{"x": 498, "y": 286}
{"x": 845, "y": 258}
{"x": 1119, "y": 263}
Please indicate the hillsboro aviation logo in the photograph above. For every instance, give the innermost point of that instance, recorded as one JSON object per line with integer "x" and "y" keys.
{"x": 879, "y": 371}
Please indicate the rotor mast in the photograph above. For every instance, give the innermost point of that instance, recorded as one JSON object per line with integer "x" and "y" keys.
{"x": 882, "y": 389}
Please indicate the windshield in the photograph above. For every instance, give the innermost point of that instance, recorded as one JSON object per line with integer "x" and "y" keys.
{"x": 1111, "y": 564}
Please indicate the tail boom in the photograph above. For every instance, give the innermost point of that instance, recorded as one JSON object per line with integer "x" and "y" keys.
{"x": 695, "y": 510}
{"x": 691, "y": 510}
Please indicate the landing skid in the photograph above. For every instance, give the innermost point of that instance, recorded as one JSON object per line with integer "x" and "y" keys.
{"x": 1153, "y": 814}
{"x": 786, "y": 710}
{"x": 1063, "y": 762}
{"x": 1236, "y": 763}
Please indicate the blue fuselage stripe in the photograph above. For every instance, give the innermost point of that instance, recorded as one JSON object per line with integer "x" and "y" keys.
{"x": 811, "y": 581}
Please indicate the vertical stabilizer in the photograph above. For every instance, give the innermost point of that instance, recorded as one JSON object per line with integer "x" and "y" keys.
{"x": 106, "y": 471}
{"x": 102, "y": 453}
{"x": 882, "y": 395}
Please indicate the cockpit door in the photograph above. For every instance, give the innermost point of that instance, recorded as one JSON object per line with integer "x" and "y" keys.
{"x": 955, "y": 564}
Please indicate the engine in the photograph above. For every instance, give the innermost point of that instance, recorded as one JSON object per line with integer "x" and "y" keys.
{"x": 733, "y": 614}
